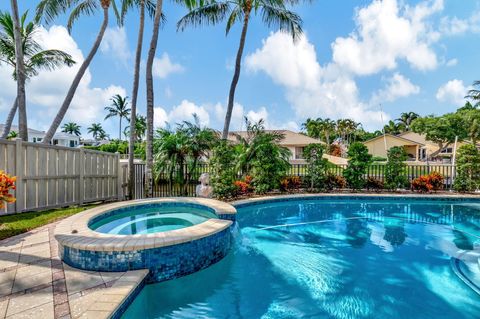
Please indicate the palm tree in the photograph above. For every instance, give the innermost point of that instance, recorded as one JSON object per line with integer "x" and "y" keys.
{"x": 96, "y": 130}
{"x": 140, "y": 128}
{"x": 49, "y": 10}
{"x": 12, "y": 135}
{"x": 274, "y": 14}
{"x": 392, "y": 128}
{"x": 150, "y": 98}
{"x": 35, "y": 58}
{"x": 474, "y": 94}
{"x": 406, "y": 119}
{"x": 119, "y": 108}
{"x": 102, "y": 136}
{"x": 20, "y": 73}
{"x": 327, "y": 127}
{"x": 71, "y": 128}
{"x": 126, "y": 5}
{"x": 311, "y": 126}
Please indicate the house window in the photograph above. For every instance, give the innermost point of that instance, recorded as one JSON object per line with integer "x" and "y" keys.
{"x": 72, "y": 143}
{"x": 55, "y": 142}
{"x": 299, "y": 152}
{"x": 448, "y": 150}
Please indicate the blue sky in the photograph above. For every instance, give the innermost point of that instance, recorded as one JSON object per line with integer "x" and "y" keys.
{"x": 356, "y": 54}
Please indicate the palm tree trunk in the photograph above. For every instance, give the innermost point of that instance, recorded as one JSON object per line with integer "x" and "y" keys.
{"x": 150, "y": 99}
{"x": 236, "y": 76}
{"x": 133, "y": 112}
{"x": 21, "y": 74}
{"x": 9, "y": 120}
{"x": 120, "y": 129}
{"x": 76, "y": 81}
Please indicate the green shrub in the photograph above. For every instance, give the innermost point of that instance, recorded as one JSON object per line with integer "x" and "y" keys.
{"x": 468, "y": 169}
{"x": 395, "y": 168}
{"x": 374, "y": 184}
{"x": 316, "y": 165}
{"x": 379, "y": 158}
{"x": 358, "y": 161}
{"x": 223, "y": 174}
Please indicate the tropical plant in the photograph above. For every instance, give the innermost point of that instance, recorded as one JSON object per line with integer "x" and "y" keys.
{"x": 140, "y": 128}
{"x": 373, "y": 183}
{"x": 406, "y": 118}
{"x": 395, "y": 168}
{"x": 316, "y": 165}
{"x": 96, "y": 130}
{"x": 333, "y": 181}
{"x": 320, "y": 128}
{"x": 291, "y": 183}
{"x": 358, "y": 161}
{"x": 474, "y": 93}
{"x": 120, "y": 109}
{"x": 150, "y": 99}
{"x": 71, "y": 128}
{"x": 12, "y": 135}
{"x": 7, "y": 184}
{"x": 48, "y": 10}
{"x": 468, "y": 169}
{"x": 102, "y": 135}
{"x": 223, "y": 174}
{"x": 426, "y": 183}
{"x": 35, "y": 58}
{"x": 393, "y": 128}
{"x": 274, "y": 14}
{"x": 345, "y": 129}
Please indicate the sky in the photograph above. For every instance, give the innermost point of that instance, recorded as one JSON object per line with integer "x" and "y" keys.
{"x": 368, "y": 60}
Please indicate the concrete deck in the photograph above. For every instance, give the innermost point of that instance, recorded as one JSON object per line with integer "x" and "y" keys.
{"x": 35, "y": 283}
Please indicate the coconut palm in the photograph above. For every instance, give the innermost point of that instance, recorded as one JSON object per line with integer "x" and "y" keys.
{"x": 393, "y": 128}
{"x": 150, "y": 98}
{"x": 35, "y": 58}
{"x": 406, "y": 119}
{"x": 20, "y": 73}
{"x": 48, "y": 10}
{"x": 71, "y": 128}
{"x": 102, "y": 136}
{"x": 311, "y": 126}
{"x": 119, "y": 108}
{"x": 96, "y": 130}
{"x": 126, "y": 6}
{"x": 274, "y": 14}
{"x": 140, "y": 128}
{"x": 474, "y": 94}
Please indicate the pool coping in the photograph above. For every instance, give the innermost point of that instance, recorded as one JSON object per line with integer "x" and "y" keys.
{"x": 74, "y": 232}
{"x": 286, "y": 197}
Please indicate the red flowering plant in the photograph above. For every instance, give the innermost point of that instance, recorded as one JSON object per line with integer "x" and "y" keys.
{"x": 290, "y": 183}
{"x": 244, "y": 187}
{"x": 7, "y": 183}
{"x": 427, "y": 183}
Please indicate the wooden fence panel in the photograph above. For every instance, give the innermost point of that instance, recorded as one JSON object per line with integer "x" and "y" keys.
{"x": 52, "y": 176}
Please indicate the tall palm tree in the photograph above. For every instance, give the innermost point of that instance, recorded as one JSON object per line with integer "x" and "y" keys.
{"x": 406, "y": 119}
{"x": 140, "y": 128}
{"x": 20, "y": 73}
{"x": 274, "y": 14}
{"x": 311, "y": 126}
{"x": 127, "y": 5}
{"x": 102, "y": 136}
{"x": 150, "y": 98}
{"x": 327, "y": 127}
{"x": 96, "y": 130}
{"x": 71, "y": 128}
{"x": 119, "y": 108}
{"x": 35, "y": 58}
{"x": 393, "y": 128}
{"x": 49, "y": 10}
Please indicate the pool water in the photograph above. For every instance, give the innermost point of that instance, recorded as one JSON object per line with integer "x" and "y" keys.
{"x": 332, "y": 259}
{"x": 151, "y": 219}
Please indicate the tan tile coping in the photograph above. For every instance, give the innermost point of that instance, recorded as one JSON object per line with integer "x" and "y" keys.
{"x": 347, "y": 195}
{"x": 74, "y": 231}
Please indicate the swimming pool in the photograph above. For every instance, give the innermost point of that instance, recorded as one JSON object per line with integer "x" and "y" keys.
{"x": 335, "y": 258}
{"x": 151, "y": 219}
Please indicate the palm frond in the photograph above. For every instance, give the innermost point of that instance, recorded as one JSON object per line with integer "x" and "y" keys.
{"x": 236, "y": 15}
{"x": 48, "y": 10}
{"x": 283, "y": 19}
{"x": 209, "y": 14}
{"x": 49, "y": 60}
{"x": 86, "y": 7}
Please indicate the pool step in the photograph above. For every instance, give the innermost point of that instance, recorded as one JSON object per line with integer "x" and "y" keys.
{"x": 468, "y": 271}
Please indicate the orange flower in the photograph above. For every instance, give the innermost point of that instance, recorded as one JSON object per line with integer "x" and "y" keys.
{"x": 7, "y": 183}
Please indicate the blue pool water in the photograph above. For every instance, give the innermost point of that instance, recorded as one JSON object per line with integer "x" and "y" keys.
{"x": 151, "y": 219}
{"x": 333, "y": 259}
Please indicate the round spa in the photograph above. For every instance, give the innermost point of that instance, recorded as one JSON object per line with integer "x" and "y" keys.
{"x": 172, "y": 237}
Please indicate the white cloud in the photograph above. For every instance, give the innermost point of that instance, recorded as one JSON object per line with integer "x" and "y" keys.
{"x": 456, "y": 26}
{"x": 385, "y": 34}
{"x": 311, "y": 89}
{"x": 46, "y": 92}
{"x": 396, "y": 87}
{"x": 163, "y": 66}
{"x": 182, "y": 112}
{"x": 453, "y": 91}
{"x": 115, "y": 44}
{"x": 451, "y": 62}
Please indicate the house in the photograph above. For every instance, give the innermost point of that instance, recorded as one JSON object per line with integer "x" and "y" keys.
{"x": 60, "y": 139}
{"x": 294, "y": 141}
{"x": 417, "y": 147}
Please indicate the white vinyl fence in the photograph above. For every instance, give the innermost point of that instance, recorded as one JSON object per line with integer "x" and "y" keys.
{"x": 52, "y": 176}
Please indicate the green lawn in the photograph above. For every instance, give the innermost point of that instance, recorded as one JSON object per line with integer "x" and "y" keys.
{"x": 12, "y": 225}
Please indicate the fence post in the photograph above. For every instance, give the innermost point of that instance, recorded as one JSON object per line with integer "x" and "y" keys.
{"x": 81, "y": 179}
{"x": 119, "y": 178}
{"x": 19, "y": 168}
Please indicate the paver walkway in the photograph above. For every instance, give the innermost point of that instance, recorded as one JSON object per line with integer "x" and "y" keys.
{"x": 35, "y": 283}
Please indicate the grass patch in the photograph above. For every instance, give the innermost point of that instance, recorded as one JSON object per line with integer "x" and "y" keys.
{"x": 15, "y": 224}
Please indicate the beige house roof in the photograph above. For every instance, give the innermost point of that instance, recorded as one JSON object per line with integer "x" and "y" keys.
{"x": 415, "y": 137}
{"x": 291, "y": 138}
{"x": 390, "y": 136}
